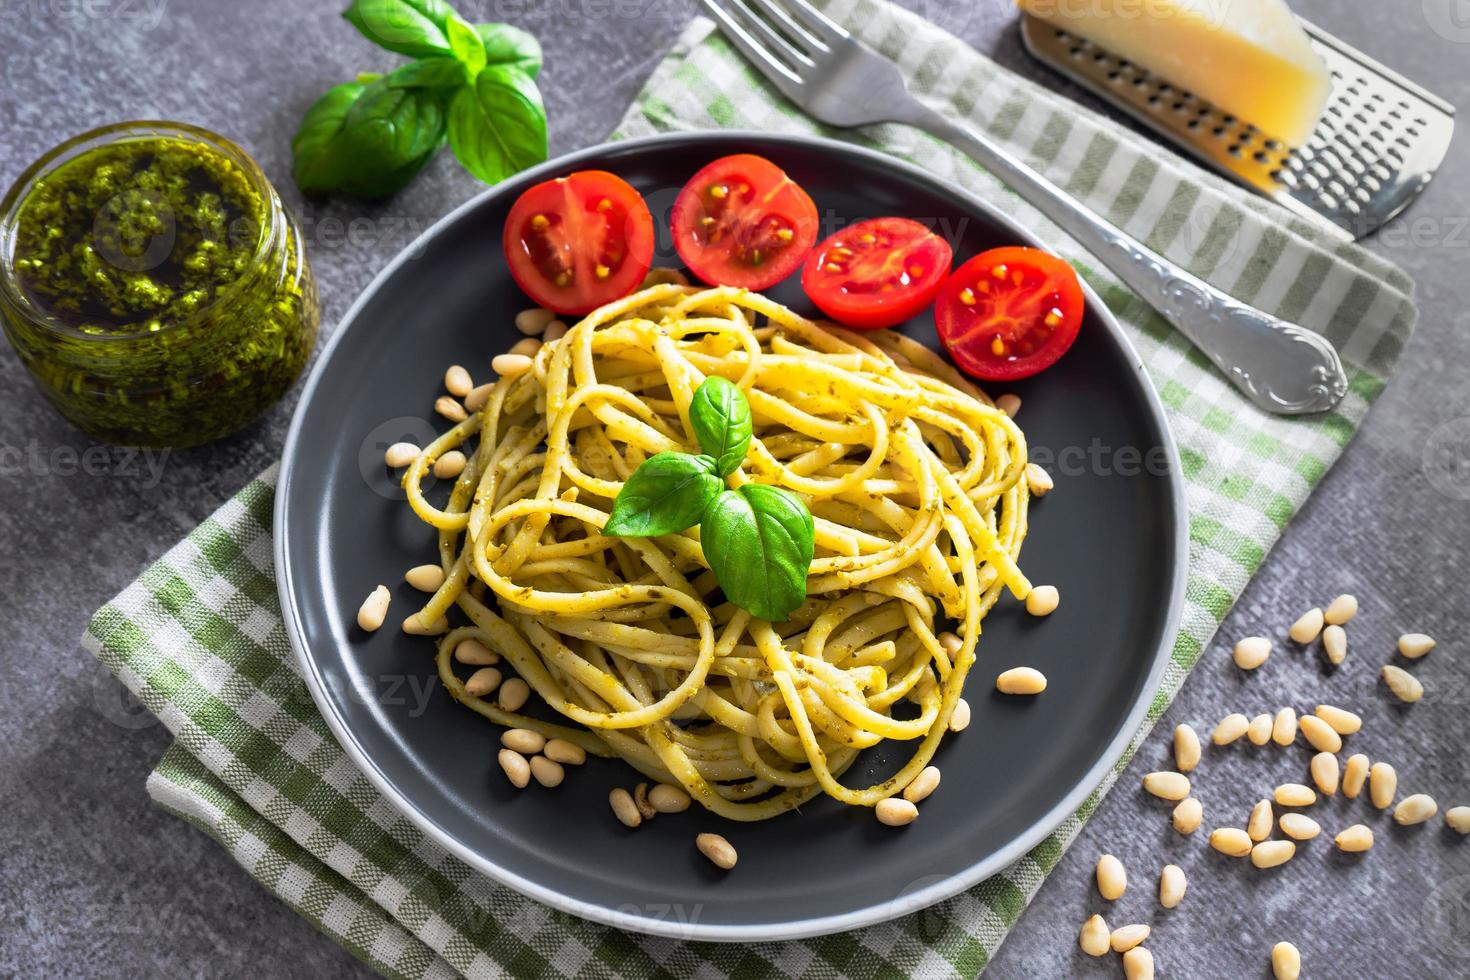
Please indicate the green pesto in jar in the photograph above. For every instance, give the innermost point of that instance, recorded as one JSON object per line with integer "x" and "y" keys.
{"x": 157, "y": 290}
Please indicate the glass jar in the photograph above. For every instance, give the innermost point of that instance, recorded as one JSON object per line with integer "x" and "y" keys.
{"x": 154, "y": 285}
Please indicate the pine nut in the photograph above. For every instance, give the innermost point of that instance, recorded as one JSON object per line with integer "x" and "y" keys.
{"x": 950, "y": 643}
{"x": 668, "y": 799}
{"x": 414, "y": 626}
{"x": 663, "y": 276}
{"x": 510, "y": 365}
{"x": 1342, "y": 722}
{"x": 1320, "y": 735}
{"x": 1325, "y": 772}
{"x": 1095, "y": 938}
{"x": 555, "y": 331}
{"x": 895, "y": 812}
{"x": 457, "y": 381}
{"x": 1272, "y": 853}
{"x": 513, "y": 694}
{"x": 1286, "y": 961}
{"x": 547, "y": 773}
{"x": 374, "y": 609}
{"x": 1258, "y": 827}
{"x": 1038, "y": 480}
{"x": 516, "y": 768}
{"x": 1299, "y": 826}
{"x": 1354, "y": 776}
{"x": 450, "y": 465}
{"x": 1112, "y": 880}
{"x": 1167, "y": 785}
{"x": 717, "y": 849}
{"x": 1008, "y": 403}
{"x": 926, "y": 782}
{"x": 400, "y": 454}
{"x": 1043, "y": 600}
{"x": 1334, "y": 644}
{"x": 1355, "y": 839}
{"x": 564, "y": 752}
{"x": 533, "y": 321}
{"x": 1125, "y": 938}
{"x": 1415, "y": 645}
{"x": 473, "y": 653}
{"x": 1021, "y": 680}
{"x": 523, "y": 740}
{"x": 482, "y": 682}
{"x": 1307, "y": 626}
{"x": 1138, "y": 964}
{"x": 960, "y": 719}
{"x": 1457, "y": 818}
{"x": 1186, "y": 748}
{"x": 527, "y": 346}
{"x": 1251, "y": 652}
{"x": 624, "y": 809}
{"x": 1383, "y": 783}
{"x": 1187, "y": 815}
{"x": 1295, "y": 794}
{"x": 1259, "y": 731}
{"x": 450, "y": 409}
{"x": 1283, "y": 730}
{"x": 425, "y": 578}
{"x": 1231, "y": 727}
{"x": 1414, "y": 809}
{"x": 1171, "y": 886}
{"x": 1404, "y": 685}
{"x": 1341, "y": 609}
{"x": 478, "y": 397}
{"x": 640, "y": 800}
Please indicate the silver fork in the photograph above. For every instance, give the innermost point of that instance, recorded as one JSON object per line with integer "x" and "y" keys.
{"x": 836, "y": 79}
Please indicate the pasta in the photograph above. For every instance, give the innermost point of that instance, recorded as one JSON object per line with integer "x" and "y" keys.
{"x": 915, "y": 483}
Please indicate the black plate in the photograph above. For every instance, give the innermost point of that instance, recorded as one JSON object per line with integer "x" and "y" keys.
{"x": 1110, "y": 537}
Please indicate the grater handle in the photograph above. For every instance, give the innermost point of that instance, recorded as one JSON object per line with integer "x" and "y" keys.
{"x": 1280, "y": 366}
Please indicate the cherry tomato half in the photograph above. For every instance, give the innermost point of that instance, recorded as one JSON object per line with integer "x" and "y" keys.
{"x": 1009, "y": 313}
{"x": 876, "y": 273}
{"x": 577, "y": 242}
{"x": 741, "y": 221}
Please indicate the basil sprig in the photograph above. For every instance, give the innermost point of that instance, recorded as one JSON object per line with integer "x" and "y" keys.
{"x": 472, "y": 85}
{"x": 758, "y": 540}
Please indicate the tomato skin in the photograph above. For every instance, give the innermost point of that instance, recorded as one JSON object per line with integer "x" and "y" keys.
{"x": 1009, "y": 313}
{"x": 876, "y": 273}
{"x": 574, "y": 228}
{"x": 741, "y": 221}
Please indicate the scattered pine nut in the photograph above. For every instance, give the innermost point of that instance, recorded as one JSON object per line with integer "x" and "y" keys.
{"x": 472, "y": 652}
{"x": 1404, "y": 685}
{"x": 1043, "y": 600}
{"x": 1125, "y": 938}
{"x": 482, "y": 682}
{"x": 564, "y": 752}
{"x": 1283, "y": 729}
{"x": 1334, "y": 644}
{"x": 1295, "y": 794}
{"x": 1340, "y": 610}
{"x": 1355, "y": 839}
{"x": 1299, "y": 826}
{"x": 1286, "y": 960}
{"x": 510, "y": 365}
{"x": 1095, "y": 938}
{"x": 1251, "y": 652}
{"x": 533, "y": 321}
{"x": 1272, "y": 853}
{"x": 624, "y": 808}
{"x": 450, "y": 465}
{"x": 1415, "y": 645}
{"x": 960, "y": 719}
{"x": 1324, "y": 772}
{"x": 950, "y": 643}
{"x": 1172, "y": 884}
{"x": 527, "y": 346}
{"x": 400, "y": 454}
{"x": 1457, "y": 818}
{"x": 1342, "y": 722}
{"x": 1231, "y": 727}
{"x": 523, "y": 740}
{"x": 668, "y": 799}
{"x": 555, "y": 331}
{"x": 1414, "y": 810}
{"x": 425, "y": 578}
{"x": 1038, "y": 480}
{"x": 663, "y": 276}
{"x": 1167, "y": 785}
{"x": 1231, "y": 841}
{"x": 1307, "y": 626}
{"x": 477, "y": 398}
{"x": 513, "y": 694}
{"x": 1009, "y": 403}
{"x": 1112, "y": 880}
{"x": 926, "y": 782}
{"x": 1138, "y": 964}
{"x": 1186, "y": 748}
{"x": 1383, "y": 783}
{"x": 414, "y": 626}
{"x": 1187, "y": 816}
{"x": 516, "y": 768}
{"x": 450, "y": 409}
{"x": 1320, "y": 735}
{"x": 1259, "y": 732}
{"x": 457, "y": 381}
{"x": 374, "y": 609}
{"x": 896, "y": 812}
{"x": 717, "y": 849}
{"x": 1258, "y": 827}
{"x": 640, "y": 800}
{"x": 546, "y": 772}
{"x": 1354, "y": 775}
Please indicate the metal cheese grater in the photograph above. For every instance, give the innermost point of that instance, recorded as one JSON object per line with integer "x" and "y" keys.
{"x": 1380, "y": 139}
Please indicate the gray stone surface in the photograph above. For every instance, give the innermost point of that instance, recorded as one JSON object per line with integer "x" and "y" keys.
{"x": 95, "y": 881}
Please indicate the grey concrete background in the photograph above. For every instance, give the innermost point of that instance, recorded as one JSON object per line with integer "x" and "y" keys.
{"x": 95, "y": 881}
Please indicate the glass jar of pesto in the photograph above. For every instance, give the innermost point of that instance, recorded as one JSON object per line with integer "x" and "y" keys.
{"x": 154, "y": 285}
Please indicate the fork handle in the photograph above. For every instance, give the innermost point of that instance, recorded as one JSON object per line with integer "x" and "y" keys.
{"x": 1280, "y": 366}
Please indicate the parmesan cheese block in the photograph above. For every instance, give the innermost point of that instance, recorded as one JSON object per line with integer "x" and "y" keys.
{"x": 1249, "y": 58}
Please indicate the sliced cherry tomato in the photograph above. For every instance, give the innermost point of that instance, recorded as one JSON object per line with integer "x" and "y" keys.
{"x": 577, "y": 242}
{"x": 742, "y": 222}
{"x": 876, "y": 273}
{"x": 1009, "y": 313}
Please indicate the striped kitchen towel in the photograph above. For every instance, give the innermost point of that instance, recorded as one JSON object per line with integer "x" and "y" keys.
{"x": 200, "y": 640}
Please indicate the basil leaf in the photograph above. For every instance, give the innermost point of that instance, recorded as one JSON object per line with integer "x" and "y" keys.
{"x": 465, "y": 42}
{"x": 511, "y": 46}
{"x": 428, "y": 73}
{"x": 411, "y": 27}
{"x": 369, "y": 139}
{"x": 315, "y": 163}
{"x": 497, "y": 125}
{"x": 664, "y": 495}
{"x": 720, "y": 415}
{"x": 759, "y": 542}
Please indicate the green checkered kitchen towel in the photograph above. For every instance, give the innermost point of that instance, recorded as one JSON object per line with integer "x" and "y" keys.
{"x": 199, "y": 637}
